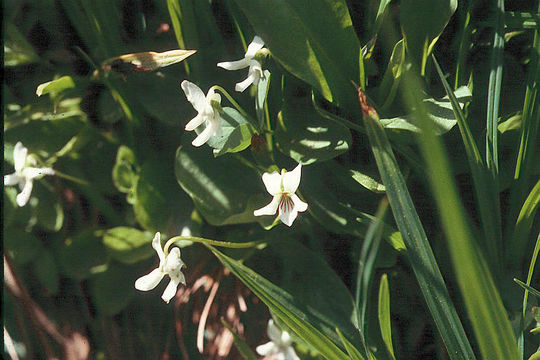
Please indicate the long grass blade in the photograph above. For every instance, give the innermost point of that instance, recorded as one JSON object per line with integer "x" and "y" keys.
{"x": 384, "y": 315}
{"x": 483, "y": 303}
{"x": 494, "y": 91}
{"x": 419, "y": 250}
{"x": 485, "y": 188}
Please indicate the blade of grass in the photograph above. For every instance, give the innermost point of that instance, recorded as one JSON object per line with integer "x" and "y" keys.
{"x": 494, "y": 91}
{"x": 521, "y": 339}
{"x": 518, "y": 244}
{"x": 241, "y": 345}
{"x": 175, "y": 14}
{"x": 419, "y": 250}
{"x": 464, "y": 44}
{"x": 485, "y": 189}
{"x": 483, "y": 303}
{"x": 384, "y": 315}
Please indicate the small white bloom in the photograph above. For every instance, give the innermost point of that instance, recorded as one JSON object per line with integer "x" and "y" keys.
{"x": 208, "y": 112}
{"x": 24, "y": 174}
{"x": 169, "y": 264}
{"x": 279, "y": 346}
{"x": 255, "y": 69}
{"x": 283, "y": 187}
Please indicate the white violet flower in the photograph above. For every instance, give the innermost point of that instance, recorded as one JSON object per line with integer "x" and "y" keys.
{"x": 279, "y": 346}
{"x": 208, "y": 108}
{"x": 24, "y": 174}
{"x": 255, "y": 68}
{"x": 283, "y": 187}
{"x": 169, "y": 264}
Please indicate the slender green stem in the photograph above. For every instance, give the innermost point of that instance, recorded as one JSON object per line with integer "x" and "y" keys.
{"x": 231, "y": 100}
{"x": 521, "y": 339}
{"x": 205, "y": 241}
{"x": 71, "y": 178}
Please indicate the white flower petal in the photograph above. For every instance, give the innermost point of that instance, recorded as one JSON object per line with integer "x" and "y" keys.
{"x": 156, "y": 244}
{"x": 291, "y": 179}
{"x": 290, "y": 354}
{"x": 273, "y": 332}
{"x": 204, "y": 136}
{"x": 32, "y": 172}
{"x": 234, "y": 65}
{"x": 243, "y": 85}
{"x": 299, "y": 205}
{"x": 266, "y": 349}
{"x": 269, "y": 209}
{"x": 19, "y": 156}
{"x": 149, "y": 281}
{"x": 11, "y": 179}
{"x": 170, "y": 290}
{"x": 288, "y": 216}
{"x": 272, "y": 182}
{"x": 194, "y": 123}
{"x": 255, "y": 45}
{"x": 24, "y": 195}
{"x": 194, "y": 95}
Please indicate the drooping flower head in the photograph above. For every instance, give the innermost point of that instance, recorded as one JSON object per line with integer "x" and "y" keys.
{"x": 280, "y": 344}
{"x": 169, "y": 264}
{"x": 208, "y": 108}
{"x": 255, "y": 72}
{"x": 24, "y": 174}
{"x": 283, "y": 188}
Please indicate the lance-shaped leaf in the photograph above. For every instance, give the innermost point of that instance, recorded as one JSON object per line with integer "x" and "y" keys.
{"x": 145, "y": 61}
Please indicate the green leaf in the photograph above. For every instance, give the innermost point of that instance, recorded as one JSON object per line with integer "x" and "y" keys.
{"x": 236, "y": 133}
{"x": 113, "y": 289}
{"x": 55, "y": 86}
{"x": 128, "y": 245}
{"x": 243, "y": 348}
{"x": 351, "y": 350}
{"x": 215, "y": 191}
{"x": 440, "y": 112}
{"x": 384, "y": 315}
{"x": 46, "y": 272}
{"x": 21, "y": 246}
{"x": 530, "y": 289}
{"x": 419, "y": 251}
{"x": 286, "y": 308}
{"x": 312, "y": 39}
{"x": 158, "y": 202}
{"x": 14, "y": 215}
{"x": 49, "y": 209}
{"x": 307, "y": 137}
{"x": 422, "y": 22}
{"x": 368, "y": 182}
{"x": 81, "y": 255}
{"x": 124, "y": 172}
{"x": 17, "y": 50}
{"x": 260, "y": 99}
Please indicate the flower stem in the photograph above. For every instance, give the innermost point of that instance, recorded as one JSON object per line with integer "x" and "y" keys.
{"x": 204, "y": 241}
{"x": 231, "y": 100}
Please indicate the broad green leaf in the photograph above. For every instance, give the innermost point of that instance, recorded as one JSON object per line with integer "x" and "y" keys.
{"x": 124, "y": 172}
{"x": 440, "y": 112}
{"x": 286, "y": 307}
{"x": 236, "y": 133}
{"x": 158, "y": 202}
{"x": 419, "y": 251}
{"x": 17, "y": 50}
{"x": 260, "y": 99}
{"x": 14, "y": 215}
{"x": 128, "y": 245}
{"x": 45, "y": 135}
{"x": 384, "y": 315}
{"x": 386, "y": 92}
{"x": 55, "y": 86}
{"x": 312, "y": 39}
{"x": 113, "y": 290}
{"x": 46, "y": 272}
{"x": 81, "y": 255}
{"x": 21, "y": 246}
{"x": 215, "y": 191}
{"x": 422, "y": 22}
{"x": 49, "y": 209}
{"x": 243, "y": 348}
{"x": 510, "y": 123}
{"x": 307, "y": 137}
